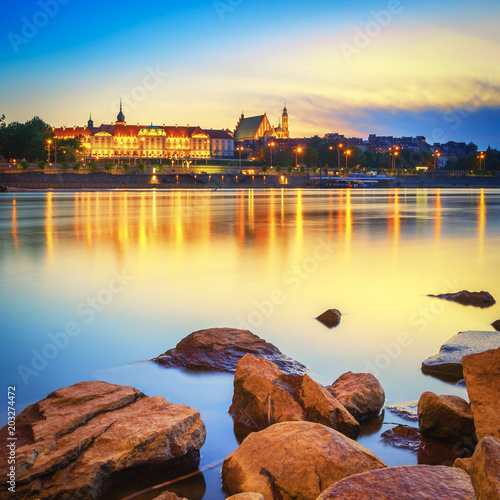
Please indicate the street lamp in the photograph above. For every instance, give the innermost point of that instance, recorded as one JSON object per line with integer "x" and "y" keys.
{"x": 347, "y": 153}
{"x": 297, "y": 151}
{"x": 481, "y": 157}
{"x": 49, "y": 142}
{"x": 271, "y": 146}
{"x": 436, "y": 154}
{"x": 393, "y": 155}
{"x": 240, "y": 149}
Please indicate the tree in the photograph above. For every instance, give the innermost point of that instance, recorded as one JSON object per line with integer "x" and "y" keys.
{"x": 76, "y": 167}
{"x": 24, "y": 165}
{"x": 92, "y": 166}
{"x": 159, "y": 168}
{"x": 125, "y": 166}
{"x": 264, "y": 168}
{"x": 42, "y": 165}
{"x": 64, "y": 167}
{"x": 141, "y": 167}
{"x": 109, "y": 166}
{"x": 311, "y": 156}
{"x": 302, "y": 169}
{"x": 277, "y": 168}
{"x": 289, "y": 169}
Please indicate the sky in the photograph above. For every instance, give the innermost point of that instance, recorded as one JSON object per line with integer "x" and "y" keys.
{"x": 389, "y": 67}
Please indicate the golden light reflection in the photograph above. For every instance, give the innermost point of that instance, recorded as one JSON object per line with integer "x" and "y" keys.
{"x": 348, "y": 224}
{"x": 251, "y": 210}
{"x": 50, "y": 237}
{"x": 438, "y": 219}
{"x": 15, "y": 236}
{"x": 396, "y": 223}
{"x": 481, "y": 226}
{"x": 299, "y": 229}
{"x": 142, "y": 222}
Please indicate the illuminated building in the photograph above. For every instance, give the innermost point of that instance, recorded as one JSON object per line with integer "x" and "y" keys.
{"x": 257, "y": 127}
{"x": 121, "y": 141}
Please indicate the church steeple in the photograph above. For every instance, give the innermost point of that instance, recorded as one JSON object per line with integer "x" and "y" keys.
{"x": 285, "y": 123}
{"x": 90, "y": 123}
{"x": 120, "y": 119}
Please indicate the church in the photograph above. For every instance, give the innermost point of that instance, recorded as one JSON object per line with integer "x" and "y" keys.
{"x": 134, "y": 142}
{"x": 258, "y": 127}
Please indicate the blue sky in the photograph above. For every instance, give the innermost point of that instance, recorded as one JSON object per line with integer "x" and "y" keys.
{"x": 391, "y": 67}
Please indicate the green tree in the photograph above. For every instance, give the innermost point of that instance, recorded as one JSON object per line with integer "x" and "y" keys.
{"x": 125, "y": 166}
{"x": 264, "y": 168}
{"x": 302, "y": 169}
{"x": 289, "y": 169}
{"x": 109, "y": 166}
{"x": 311, "y": 156}
{"x": 63, "y": 167}
{"x": 277, "y": 168}
{"x": 76, "y": 167}
{"x": 24, "y": 165}
{"x": 141, "y": 167}
{"x": 42, "y": 165}
{"x": 159, "y": 168}
{"x": 92, "y": 166}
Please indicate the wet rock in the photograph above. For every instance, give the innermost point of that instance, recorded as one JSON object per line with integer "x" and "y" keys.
{"x": 476, "y": 299}
{"x": 70, "y": 443}
{"x": 485, "y": 469}
{"x": 294, "y": 460}
{"x": 330, "y": 318}
{"x": 448, "y": 363}
{"x": 428, "y": 451}
{"x": 407, "y": 411}
{"x": 246, "y": 496}
{"x": 220, "y": 349}
{"x": 445, "y": 418}
{"x": 482, "y": 376}
{"x": 167, "y": 495}
{"x": 418, "y": 482}
{"x": 360, "y": 393}
{"x": 264, "y": 395}
{"x": 496, "y": 325}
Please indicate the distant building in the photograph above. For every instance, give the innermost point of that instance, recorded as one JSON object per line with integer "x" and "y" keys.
{"x": 258, "y": 127}
{"x": 121, "y": 141}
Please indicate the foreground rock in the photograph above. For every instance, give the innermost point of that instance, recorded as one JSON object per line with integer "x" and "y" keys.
{"x": 246, "y": 496}
{"x": 220, "y": 349}
{"x": 482, "y": 376}
{"x": 167, "y": 495}
{"x": 418, "y": 482}
{"x": 330, "y": 318}
{"x": 428, "y": 451}
{"x": 496, "y": 325}
{"x": 445, "y": 418}
{"x": 71, "y": 442}
{"x": 448, "y": 363}
{"x": 476, "y": 299}
{"x": 484, "y": 469}
{"x": 294, "y": 460}
{"x": 264, "y": 395}
{"x": 360, "y": 393}
{"x": 408, "y": 411}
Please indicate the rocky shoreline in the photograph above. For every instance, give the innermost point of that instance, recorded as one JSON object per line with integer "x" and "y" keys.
{"x": 301, "y": 436}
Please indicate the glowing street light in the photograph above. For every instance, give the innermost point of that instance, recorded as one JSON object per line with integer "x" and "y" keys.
{"x": 481, "y": 157}
{"x": 49, "y": 142}
{"x": 271, "y": 146}
{"x": 240, "y": 149}
{"x": 436, "y": 155}
{"x": 347, "y": 154}
{"x": 297, "y": 151}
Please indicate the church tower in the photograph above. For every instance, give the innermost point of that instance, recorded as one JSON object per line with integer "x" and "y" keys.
{"x": 285, "y": 123}
{"x": 90, "y": 123}
{"x": 120, "y": 119}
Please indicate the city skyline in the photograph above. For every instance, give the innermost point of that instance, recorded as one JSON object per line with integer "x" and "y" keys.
{"x": 389, "y": 68}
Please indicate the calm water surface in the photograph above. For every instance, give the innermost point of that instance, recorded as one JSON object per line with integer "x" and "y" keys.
{"x": 270, "y": 261}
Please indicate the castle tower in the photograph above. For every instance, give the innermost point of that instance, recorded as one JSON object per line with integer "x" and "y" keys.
{"x": 120, "y": 119}
{"x": 285, "y": 123}
{"x": 90, "y": 123}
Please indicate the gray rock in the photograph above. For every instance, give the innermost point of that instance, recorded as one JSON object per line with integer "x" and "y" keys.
{"x": 407, "y": 411}
{"x": 71, "y": 442}
{"x": 448, "y": 363}
{"x": 466, "y": 298}
{"x": 220, "y": 349}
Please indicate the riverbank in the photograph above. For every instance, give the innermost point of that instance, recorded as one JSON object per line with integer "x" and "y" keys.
{"x": 32, "y": 180}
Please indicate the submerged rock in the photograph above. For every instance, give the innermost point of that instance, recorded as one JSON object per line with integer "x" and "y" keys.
{"x": 418, "y": 482}
{"x": 330, "y": 318}
{"x": 482, "y": 376}
{"x": 445, "y": 418}
{"x": 476, "y": 299}
{"x": 264, "y": 395}
{"x": 484, "y": 469}
{"x": 407, "y": 411}
{"x": 428, "y": 451}
{"x": 360, "y": 393}
{"x": 496, "y": 325}
{"x": 220, "y": 349}
{"x": 294, "y": 460}
{"x": 70, "y": 443}
{"x": 448, "y": 363}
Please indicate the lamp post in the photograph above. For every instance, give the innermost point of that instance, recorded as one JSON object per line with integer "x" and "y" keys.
{"x": 347, "y": 153}
{"x": 481, "y": 157}
{"x": 297, "y": 151}
{"x": 239, "y": 149}
{"x": 271, "y": 146}
{"x": 339, "y": 147}
{"x": 436, "y": 154}
{"x": 49, "y": 142}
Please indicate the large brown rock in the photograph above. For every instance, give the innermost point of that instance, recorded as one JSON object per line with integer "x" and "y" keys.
{"x": 466, "y": 298}
{"x": 482, "y": 376}
{"x": 264, "y": 395}
{"x": 360, "y": 393}
{"x": 220, "y": 349}
{"x": 418, "y": 482}
{"x": 496, "y": 325}
{"x": 445, "y": 418}
{"x": 294, "y": 460}
{"x": 72, "y": 441}
{"x": 246, "y": 496}
{"x": 167, "y": 495}
{"x": 485, "y": 469}
{"x": 330, "y": 318}
{"x": 448, "y": 363}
